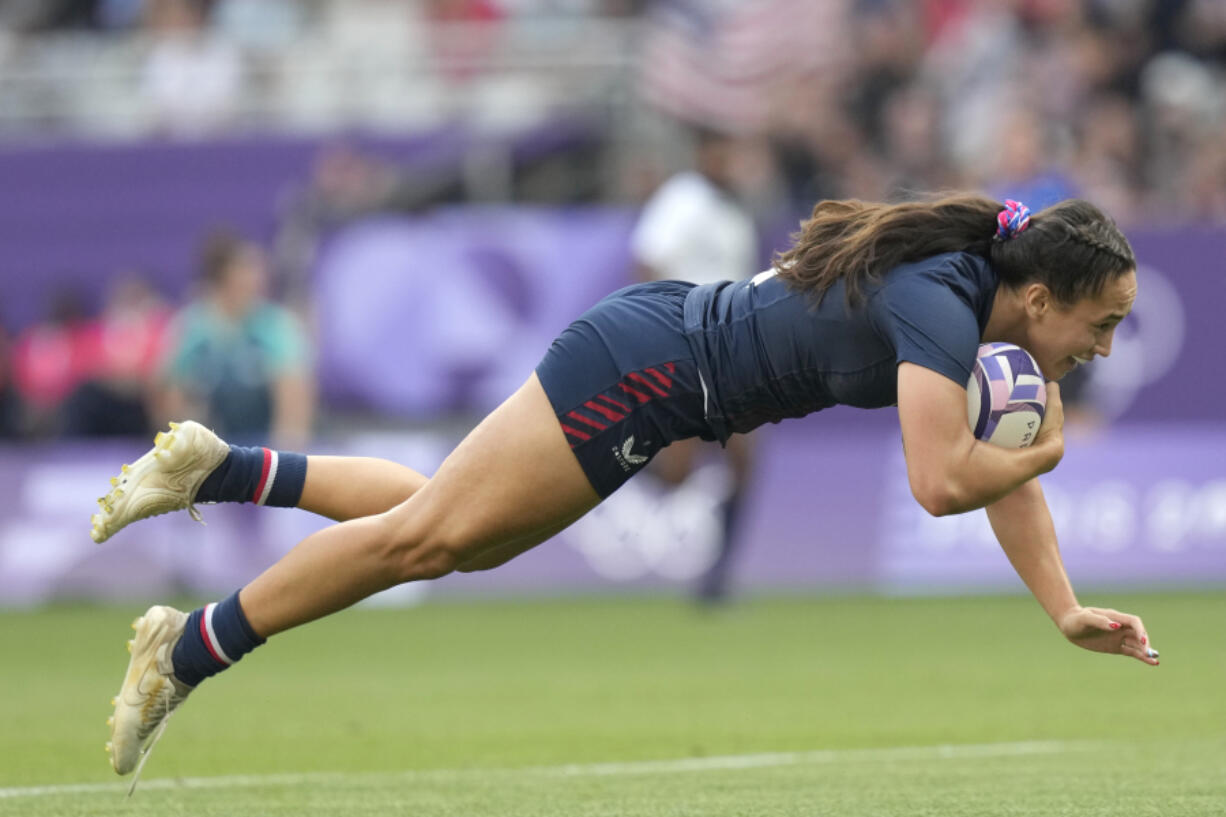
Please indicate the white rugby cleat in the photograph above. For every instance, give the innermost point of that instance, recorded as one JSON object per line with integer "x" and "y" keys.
{"x": 150, "y": 692}
{"x": 165, "y": 479}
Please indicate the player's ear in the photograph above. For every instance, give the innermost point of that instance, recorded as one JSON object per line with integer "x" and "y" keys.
{"x": 1037, "y": 300}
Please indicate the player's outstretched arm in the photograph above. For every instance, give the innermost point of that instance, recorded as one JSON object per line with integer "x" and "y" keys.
{"x": 1024, "y": 528}
{"x": 949, "y": 470}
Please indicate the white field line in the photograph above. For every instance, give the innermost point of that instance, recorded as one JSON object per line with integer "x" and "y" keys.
{"x": 690, "y": 764}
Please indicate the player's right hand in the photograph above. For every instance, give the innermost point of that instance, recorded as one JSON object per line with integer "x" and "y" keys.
{"x": 1105, "y": 630}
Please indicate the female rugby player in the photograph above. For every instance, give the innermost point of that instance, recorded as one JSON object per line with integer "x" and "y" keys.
{"x": 874, "y": 305}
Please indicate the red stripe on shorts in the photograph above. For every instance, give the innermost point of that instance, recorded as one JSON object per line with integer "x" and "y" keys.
{"x": 664, "y": 380}
{"x": 607, "y": 413}
{"x": 638, "y": 378}
{"x": 574, "y": 432}
{"x": 614, "y": 402}
{"x": 574, "y": 415}
{"x": 637, "y": 395}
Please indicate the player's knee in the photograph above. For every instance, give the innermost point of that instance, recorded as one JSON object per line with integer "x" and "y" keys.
{"x": 419, "y": 552}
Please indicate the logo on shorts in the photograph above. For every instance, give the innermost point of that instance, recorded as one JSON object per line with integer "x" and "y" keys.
{"x": 625, "y": 457}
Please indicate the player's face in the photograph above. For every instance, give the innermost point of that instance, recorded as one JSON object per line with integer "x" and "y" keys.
{"x": 1063, "y": 336}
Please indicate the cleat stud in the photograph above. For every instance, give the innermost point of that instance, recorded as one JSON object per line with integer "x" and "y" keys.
{"x": 125, "y": 468}
{"x": 108, "y": 747}
{"x": 114, "y": 481}
{"x": 174, "y": 426}
{"x": 115, "y": 700}
{"x": 129, "y": 645}
{"x": 110, "y": 721}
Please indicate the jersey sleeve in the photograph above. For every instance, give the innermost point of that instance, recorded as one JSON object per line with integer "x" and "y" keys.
{"x": 929, "y": 325}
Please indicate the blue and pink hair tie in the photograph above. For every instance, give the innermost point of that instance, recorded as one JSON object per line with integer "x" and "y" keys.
{"x": 1012, "y": 220}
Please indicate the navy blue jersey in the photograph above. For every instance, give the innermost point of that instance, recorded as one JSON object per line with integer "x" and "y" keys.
{"x": 766, "y": 351}
{"x": 659, "y": 362}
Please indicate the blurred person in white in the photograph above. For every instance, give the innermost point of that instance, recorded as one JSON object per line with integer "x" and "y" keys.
{"x": 237, "y": 358}
{"x": 694, "y": 228}
{"x": 192, "y": 79}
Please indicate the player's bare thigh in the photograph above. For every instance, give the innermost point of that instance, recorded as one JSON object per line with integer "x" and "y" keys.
{"x": 513, "y": 481}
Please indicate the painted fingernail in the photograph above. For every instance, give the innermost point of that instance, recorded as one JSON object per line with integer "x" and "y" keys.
{"x": 1115, "y": 625}
{"x": 1144, "y": 640}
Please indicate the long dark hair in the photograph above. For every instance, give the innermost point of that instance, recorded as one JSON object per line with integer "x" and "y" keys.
{"x": 1071, "y": 247}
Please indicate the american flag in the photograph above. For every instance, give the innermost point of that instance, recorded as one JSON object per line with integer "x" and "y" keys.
{"x": 730, "y": 63}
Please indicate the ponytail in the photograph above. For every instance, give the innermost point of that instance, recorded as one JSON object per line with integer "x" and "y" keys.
{"x": 1072, "y": 247}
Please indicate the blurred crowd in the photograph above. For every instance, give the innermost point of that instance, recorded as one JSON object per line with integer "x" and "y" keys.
{"x": 1118, "y": 101}
{"x": 229, "y": 356}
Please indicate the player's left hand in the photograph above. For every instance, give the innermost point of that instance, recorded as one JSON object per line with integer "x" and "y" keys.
{"x": 1105, "y": 630}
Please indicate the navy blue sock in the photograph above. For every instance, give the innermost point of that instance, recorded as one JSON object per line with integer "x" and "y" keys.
{"x": 258, "y": 475}
{"x": 216, "y": 636}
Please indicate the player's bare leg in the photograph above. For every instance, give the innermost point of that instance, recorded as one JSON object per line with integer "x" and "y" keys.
{"x": 513, "y": 482}
{"x": 344, "y": 488}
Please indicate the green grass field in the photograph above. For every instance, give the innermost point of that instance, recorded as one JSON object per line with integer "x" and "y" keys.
{"x": 641, "y": 706}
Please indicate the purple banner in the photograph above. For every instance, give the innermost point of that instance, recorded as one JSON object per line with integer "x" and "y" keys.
{"x": 452, "y": 311}
{"x": 73, "y": 216}
{"x": 830, "y": 509}
{"x": 1166, "y": 358}
{"x": 476, "y": 293}
{"x": 1141, "y": 506}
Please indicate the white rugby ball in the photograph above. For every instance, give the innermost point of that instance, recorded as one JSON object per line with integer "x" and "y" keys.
{"x": 1006, "y": 396}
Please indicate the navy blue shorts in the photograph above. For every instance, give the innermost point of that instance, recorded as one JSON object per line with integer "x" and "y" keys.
{"x": 623, "y": 382}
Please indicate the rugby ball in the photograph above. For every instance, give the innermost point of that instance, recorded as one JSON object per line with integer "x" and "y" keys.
{"x": 1006, "y": 396}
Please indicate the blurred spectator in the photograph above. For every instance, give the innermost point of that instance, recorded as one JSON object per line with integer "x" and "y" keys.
{"x": 120, "y": 351}
{"x": 912, "y": 139}
{"x": 259, "y": 24}
{"x": 1024, "y": 163}
{"x": 1185, "y": 111}
{"x": 192, "y": 78}
{"x": 461, "y": 53}
{"x": 49, "y": 362}
{"x": 693, "y": 228}
{"x": 37, "y": 15}
{"x": 237, "y": 361}
{"x": 10, "y": 403}
{"x": 1107, "y": 165}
